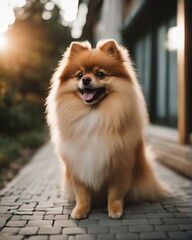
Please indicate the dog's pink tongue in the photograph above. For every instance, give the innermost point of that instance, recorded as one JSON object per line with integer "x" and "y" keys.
{"x": 88, "y": 96}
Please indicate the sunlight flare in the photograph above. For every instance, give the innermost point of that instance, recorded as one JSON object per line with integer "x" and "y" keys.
{"x": 3, "y": 41}
{"x": 69, "y": 9}
{"x": 7, "y": 15}
{"x": 175, "y": 38}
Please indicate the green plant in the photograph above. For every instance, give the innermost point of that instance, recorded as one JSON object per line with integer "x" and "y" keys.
{"x": 12, "y": 147}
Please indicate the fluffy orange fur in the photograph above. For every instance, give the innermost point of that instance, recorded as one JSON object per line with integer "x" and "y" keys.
{"x": 100, "y": 137}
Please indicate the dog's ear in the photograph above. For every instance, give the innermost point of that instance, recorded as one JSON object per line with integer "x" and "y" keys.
{"x": 110, "y": 47}
{"x": 77, "y": 47}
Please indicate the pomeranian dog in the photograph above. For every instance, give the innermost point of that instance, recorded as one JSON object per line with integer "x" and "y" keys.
{"x": 97, "y": 114}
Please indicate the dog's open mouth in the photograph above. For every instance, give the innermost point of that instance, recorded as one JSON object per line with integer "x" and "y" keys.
{"x": 91, "y": 95}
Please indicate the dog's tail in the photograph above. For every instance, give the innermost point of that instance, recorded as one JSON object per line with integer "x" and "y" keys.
{"x": 149, "y": 189}
{"x": 146, "y": 185}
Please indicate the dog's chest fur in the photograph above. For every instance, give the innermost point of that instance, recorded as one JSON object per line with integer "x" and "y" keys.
{"x": 87, "y": 151}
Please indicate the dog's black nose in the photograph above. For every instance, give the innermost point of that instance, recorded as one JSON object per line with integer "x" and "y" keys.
{"x": 86, "y": 81}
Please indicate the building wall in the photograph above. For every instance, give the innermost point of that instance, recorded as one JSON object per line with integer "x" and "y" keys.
{"x": 144, "y": 26}
{"x": 110, "y": 21}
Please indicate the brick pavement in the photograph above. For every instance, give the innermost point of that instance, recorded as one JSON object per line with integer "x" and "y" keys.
{"x": 32, "y": 207}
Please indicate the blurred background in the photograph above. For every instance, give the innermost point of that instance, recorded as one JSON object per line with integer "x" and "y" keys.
{"x": 35, "y": 33}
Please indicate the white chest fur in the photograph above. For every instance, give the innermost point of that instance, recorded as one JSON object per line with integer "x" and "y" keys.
{"x": 87, "y": 151}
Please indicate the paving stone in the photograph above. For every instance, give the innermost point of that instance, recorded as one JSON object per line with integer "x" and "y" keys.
{"x": 189, "y": 233}
{"x": 184, "y": 204}
{"x": 61, "y": 217}
{"x": 44, "y": 205}
{"x": 186, "y": 226}
{"x": 126, "y": 236}
{"x": 23, "y": 213}
{"x": 109, "y": 222}
{"x": 159, "y": 215}
{"x": 167, "y": 228}
{"x": 23, "y": 199}
{"x": 40, "y": 208}
{"x": 185, "y": 210}
{"x": 65, "y": 223}
{"x": 3, "y": 222}
{"x": 55, "y": 209}
{"x": 155, "y": 221}
{"x": 49, "y": 217}
{"x": 180, "y": 215}
{"x": 33, "y": 217}
{"x": 86, "y": 237}
{"x": 28, "y": 231}
{"x": 54, "y": 212}
{"x": 64, "y": 203}
{"x": 71, "y": 237}
{"x": 172, "y": 210}
{"x": 10, "y": 230}
{"x": 37, "y": 199}
{"x": 134, "y": 216}
{"x": 4, "y": 209}
{"x": 39, "y": 213}
{"x": 16, "y": 218}
{"x": 98, "y": 215}
{"x": 74, "y": 230}
{"x": 49, "y": 230}
{"x": 11, "y": 211}
{"x": 141, "y": 228}
{"x": 16, "y": 223}
{"x": 67, "y": 211}
{"x": 5, "y": 216}
{"x": 118, "y": 229}
{"x": 38, "y": 238}
{"x": 8, "y": 199}
{"x": 59, "y": 237}
{"x": 28, "y": 206}
{"x": 135, "y": 221}
{"x": 11, "y": 237}
{"x": 39, "y": 223}
{"x": 177, "y": 220}
{"x": 153, "y": 235}
{"x": 98, "y": 229}
{"x": 106, "y": 237}
{"x": 88, "y": 222}
{"x": 9, "y": 204}
{"x": 178, "y": 235}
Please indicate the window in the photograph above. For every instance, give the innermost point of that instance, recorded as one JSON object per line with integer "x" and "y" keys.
{"x": 157, "y": 70}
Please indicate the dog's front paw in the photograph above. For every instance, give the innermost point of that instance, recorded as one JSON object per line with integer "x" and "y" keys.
{"x": 115, "y": 209}
{"x": 79, "y": 213}
{"x": 115, "y": 215}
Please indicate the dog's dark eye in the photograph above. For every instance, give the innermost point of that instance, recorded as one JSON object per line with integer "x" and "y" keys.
{"x": 79, "y": 75}
{"x": 100, "y": 75}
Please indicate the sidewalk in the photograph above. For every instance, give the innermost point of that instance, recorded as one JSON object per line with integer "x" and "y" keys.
{"x": 31, "y": 207}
